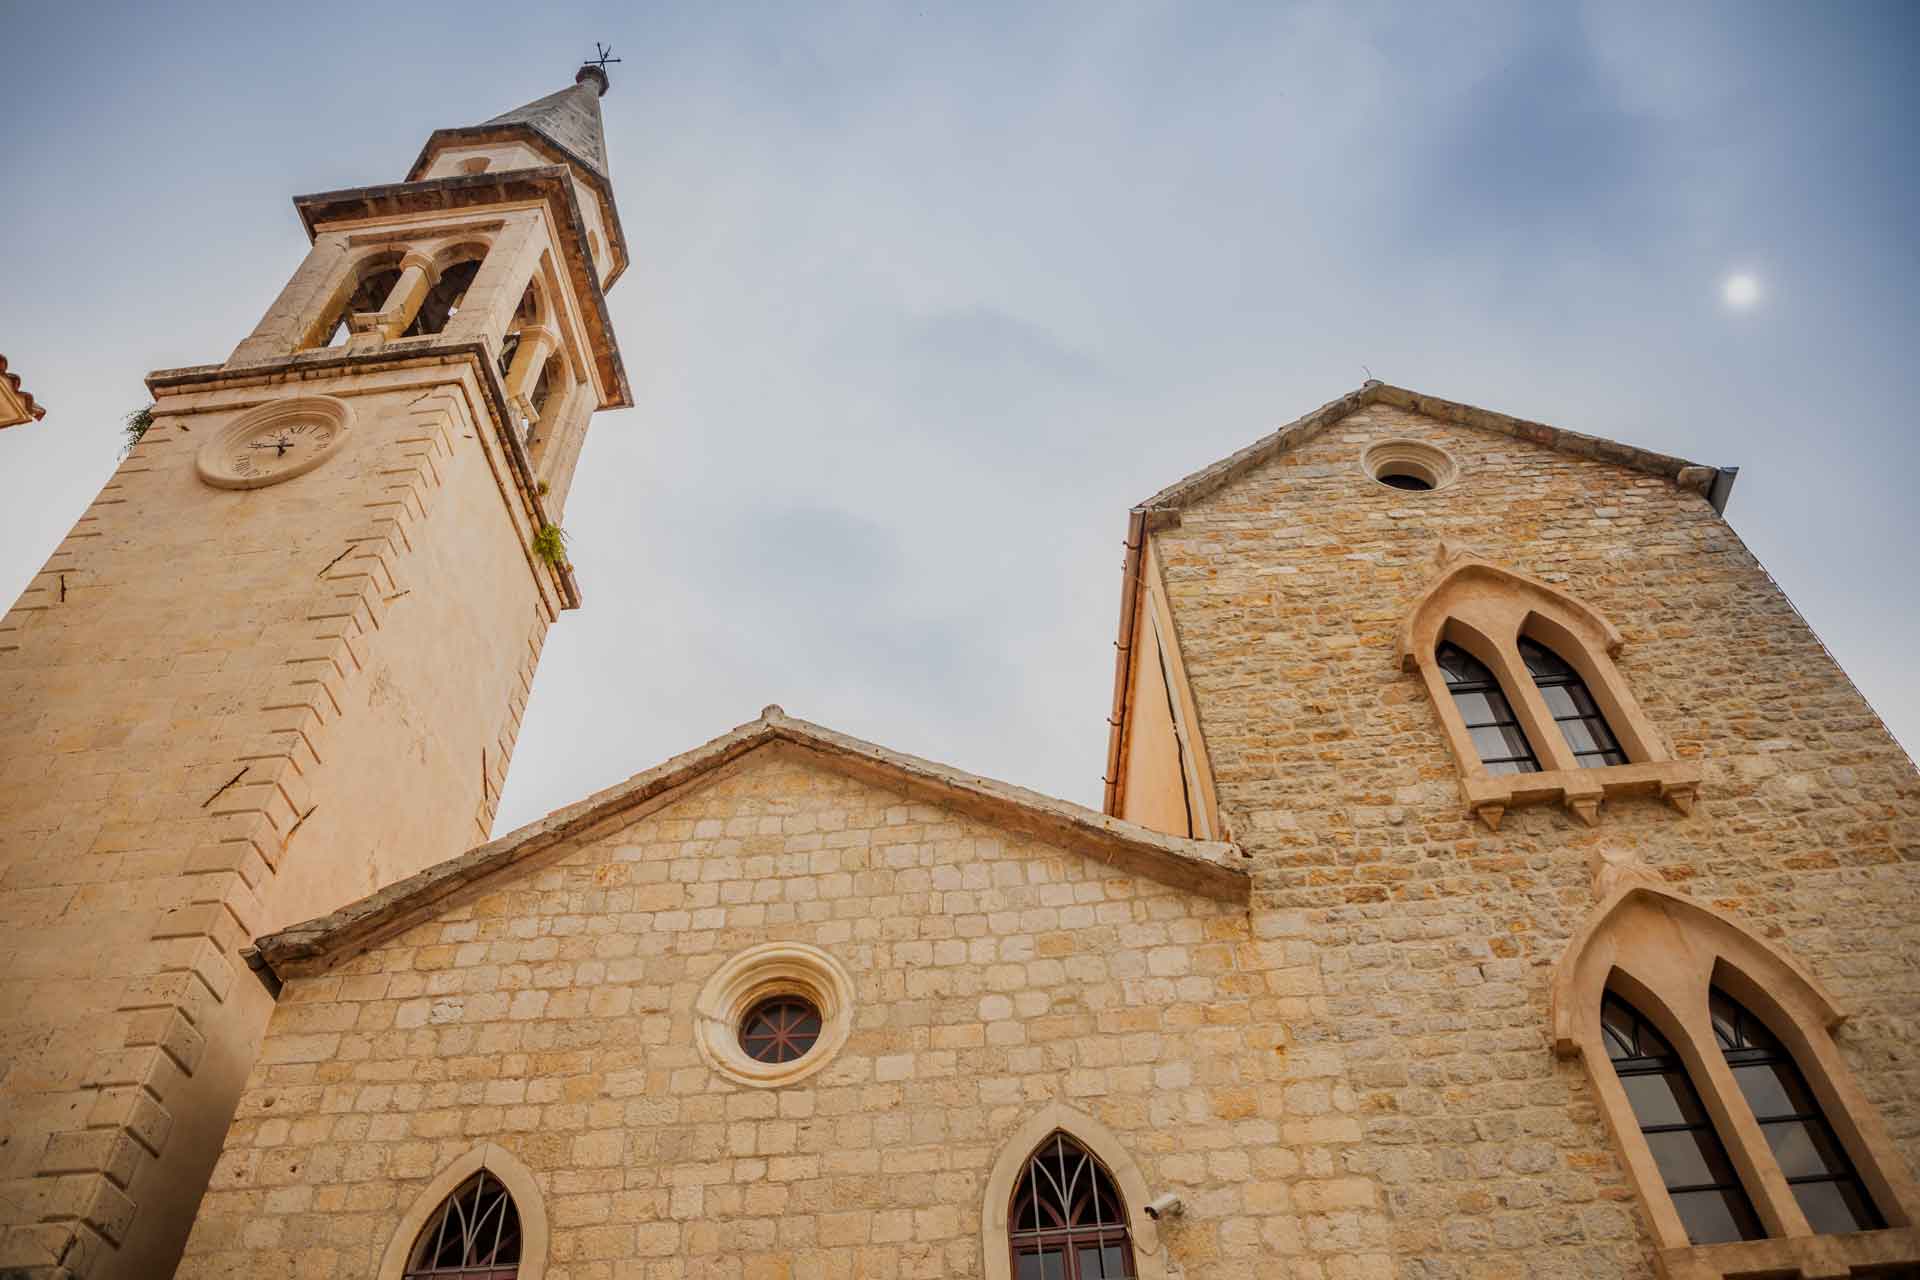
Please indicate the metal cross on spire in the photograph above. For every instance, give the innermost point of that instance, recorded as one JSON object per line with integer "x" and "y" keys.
{"x": 604, "y": 50}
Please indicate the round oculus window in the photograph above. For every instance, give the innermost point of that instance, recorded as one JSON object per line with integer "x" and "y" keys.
{"x": 782, "y": 1029}
{"x": 1404, "y": 480}
{"x": 1409, "y": 466}
{"x": 774, "y": 1014}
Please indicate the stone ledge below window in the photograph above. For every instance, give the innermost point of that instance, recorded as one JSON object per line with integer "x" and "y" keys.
{"x": 1865, "y": 1253}
{"x": 1581, "y": 790}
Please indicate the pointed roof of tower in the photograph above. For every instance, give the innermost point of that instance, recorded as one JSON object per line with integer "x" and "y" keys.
{"x": 566, "y": 127}
{"x": 570, "y": 119}
{"x": 566, "y": 124}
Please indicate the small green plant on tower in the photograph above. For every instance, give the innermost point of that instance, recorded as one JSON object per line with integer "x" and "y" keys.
{"x": 135, "y": 425}
{"x": 550, "y": 544}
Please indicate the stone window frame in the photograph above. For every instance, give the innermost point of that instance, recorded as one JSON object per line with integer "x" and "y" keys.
{"x": 535, "y": 1238}
{"x": 1018, "y": 1147}
{"x": 1485, "y": 609}
{"x": 758, "y": 974}
{"x": 1663, "y": 953}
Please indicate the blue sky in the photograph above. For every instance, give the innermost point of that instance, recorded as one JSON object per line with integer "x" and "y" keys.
{"x": 925, "y": 298}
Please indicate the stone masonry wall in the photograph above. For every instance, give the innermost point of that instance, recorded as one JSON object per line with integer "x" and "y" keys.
{"x": 220, "y": 712}
{"x": 552, "y": 1014}
{"x": 1431, "y": 938}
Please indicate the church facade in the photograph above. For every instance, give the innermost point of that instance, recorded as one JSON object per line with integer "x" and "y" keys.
{"x": 1496, "y": 876}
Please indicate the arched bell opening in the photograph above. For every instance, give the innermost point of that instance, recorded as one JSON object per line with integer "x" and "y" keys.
{"x": 443, "y": 301}
{"x": 365, "y": 289}
{"x": 531, "y": 311}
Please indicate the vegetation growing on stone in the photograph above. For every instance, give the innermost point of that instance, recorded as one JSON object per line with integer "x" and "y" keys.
{"x": 135, "y": 426}
{"x": 550, "y": 544}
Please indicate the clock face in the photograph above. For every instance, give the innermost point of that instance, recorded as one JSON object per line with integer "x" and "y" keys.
{"x": 263, "y": 453}
{"x": 274, "y": 444}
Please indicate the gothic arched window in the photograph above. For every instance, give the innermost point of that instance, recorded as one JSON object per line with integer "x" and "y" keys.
{"x": 1068, "y": 1221}
{"x": 474, "y": 1236}
{"x": 1809, "y": 1152}
{"x": 1573, "y": 707}
{"x": 1693, "y": 1162}
{"x": 1497, "y": 736}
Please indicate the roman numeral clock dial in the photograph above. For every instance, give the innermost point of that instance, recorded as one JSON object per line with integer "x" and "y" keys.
{"x": 275, "y": 442}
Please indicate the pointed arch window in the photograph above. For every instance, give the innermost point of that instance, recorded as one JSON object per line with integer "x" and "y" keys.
{"x": 474, "y": 1236}
{"x": 1497, "y": 736}
{"x": 1068, "y": 1221}
{"x": 1810, "y": 1154}
{"x": 1693, "y": 1162}
{"x": 1574, "y": 710}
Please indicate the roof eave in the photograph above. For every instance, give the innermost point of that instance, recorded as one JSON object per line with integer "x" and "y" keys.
{"x": 29, "y": 410}
{"x": 470, "y": 191}
{"x": 1212, "y": 868}
{"x": 1210, "y": 479}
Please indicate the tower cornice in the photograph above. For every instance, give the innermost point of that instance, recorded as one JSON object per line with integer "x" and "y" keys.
{"x": 326, "y": 362}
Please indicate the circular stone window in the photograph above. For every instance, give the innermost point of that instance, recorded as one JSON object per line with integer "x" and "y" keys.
{"x": 774, "y": 1014}
{"x": 1409, "y": 466}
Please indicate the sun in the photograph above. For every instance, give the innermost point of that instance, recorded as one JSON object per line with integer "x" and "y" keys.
{"x": 1741, "y": 290}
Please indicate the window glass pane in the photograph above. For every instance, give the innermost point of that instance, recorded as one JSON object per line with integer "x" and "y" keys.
{"x": 1049, "y": 1264}
{"x": 1662, "y": 1098}
{"x": 1835, "y": 1207}
{"x": 1479, "y": 708}
{"x": 1726, "y": 1020}
{"x": 1690, "y": 1158}
{"x": 1774, "y": 1089}
{"x": 1090, "y": 1268}
{"x": 1497, "y": 742}
{"x": 1114, "y": 1258}
{"x": 1619, "y": 1040}
{"x": 1499, "y": 767}
{"x": 1560, "y": 700}
{"x": 1716, "y": 1217}
{"x": 1804, "y": 1150}
{"x": 1461, "y": 667}
{"x": 1581, "y": 737}
{"x": 1542, "y": 661}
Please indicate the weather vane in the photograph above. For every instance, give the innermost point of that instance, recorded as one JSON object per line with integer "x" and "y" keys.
{"x": 603, "y": 50}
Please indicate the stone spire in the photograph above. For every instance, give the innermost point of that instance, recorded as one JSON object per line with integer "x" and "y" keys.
{"x": 570, "y": 119}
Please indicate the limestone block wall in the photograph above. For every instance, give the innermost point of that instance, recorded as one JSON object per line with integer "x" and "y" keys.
{"x": 1429, "y": 938}
{"x": 552, "y": 1014}
{"x": 221, "y": 711}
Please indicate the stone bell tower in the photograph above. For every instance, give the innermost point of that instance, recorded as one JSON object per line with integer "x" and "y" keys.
{"x": 281, "y": 660}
